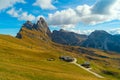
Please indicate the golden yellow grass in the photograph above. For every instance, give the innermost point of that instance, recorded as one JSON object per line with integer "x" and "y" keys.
{"x": 24, "y": 60}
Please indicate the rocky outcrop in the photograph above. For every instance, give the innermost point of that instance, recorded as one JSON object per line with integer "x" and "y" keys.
{"x": 42, "y": 26}
{"x": 28, "y": 25}
{"x": 37, "y": 30}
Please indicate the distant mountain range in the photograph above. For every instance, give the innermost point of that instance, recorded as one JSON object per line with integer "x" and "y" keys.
{"x": 67, "y": 38}
{"x": 33, "y": 53}
{"x": 98, "y": 39}
{"x": 102, "y": 40}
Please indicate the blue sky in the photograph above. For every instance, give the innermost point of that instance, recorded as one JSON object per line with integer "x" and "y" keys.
{"x": 80, "y": 16}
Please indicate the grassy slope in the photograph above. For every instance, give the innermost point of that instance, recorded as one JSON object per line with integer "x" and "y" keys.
{"x": 110, "y": 65}
{"x": 21, "y": 62}
{"x": 24, "y": 61}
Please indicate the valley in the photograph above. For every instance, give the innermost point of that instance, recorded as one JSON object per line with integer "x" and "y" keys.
{"x": 25, "y": 57}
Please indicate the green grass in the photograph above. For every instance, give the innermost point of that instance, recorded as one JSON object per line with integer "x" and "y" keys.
{"x": 18, "y": 60}
{"x": 21, "y": 62}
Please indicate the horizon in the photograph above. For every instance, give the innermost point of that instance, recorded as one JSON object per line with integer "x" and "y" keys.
{"x": 79, "y": 16}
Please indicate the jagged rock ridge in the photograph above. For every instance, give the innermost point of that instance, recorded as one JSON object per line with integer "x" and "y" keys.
{"x": 67, "y": 38}
{"x": 39, "y": 30}
{"x": 102, "y": 40}
{"x": 98, "y": 39}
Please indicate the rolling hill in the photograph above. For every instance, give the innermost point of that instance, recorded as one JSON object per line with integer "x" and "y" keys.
{"x": 26, "y": 57}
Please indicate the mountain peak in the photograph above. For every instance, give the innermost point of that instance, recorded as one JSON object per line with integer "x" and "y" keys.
{"x": 40, "y": 21}
{"x": 28, "y": 24}
{"x": 102, "y": 40}
{"x": 67, "y": 38}
{"x": 62, "y": 30}
{"x": 99, "y": 33}
{"x": 39, "y": 28}
{"x": 42, "y": 26}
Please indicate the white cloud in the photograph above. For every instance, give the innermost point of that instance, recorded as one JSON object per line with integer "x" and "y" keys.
{"x": 114, "y": 31}
{"x": 65, "y": 17}
{"x": 103, "y": 6}
{"x": 21, "y": 15}
{"x": 70, "y": 26}
{"x": 26, "y": 16}
{"x": 44, "y": 4}
{"x": 4, "y": 4}
{"x": 102, "y": 11}
{"x": 87, "y": 32}
{"x": 83, "y": 10}
{"x": 13, "y": 12}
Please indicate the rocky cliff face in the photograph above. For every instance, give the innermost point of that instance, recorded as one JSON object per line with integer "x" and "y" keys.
{"x": 42, "y": 26}
{"x": 38, "y": 30}
{"x": 102, "y": 40}
{"x": 67, "y": 38}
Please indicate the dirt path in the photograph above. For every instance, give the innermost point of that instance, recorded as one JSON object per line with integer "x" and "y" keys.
{"x": 97, "y": 75}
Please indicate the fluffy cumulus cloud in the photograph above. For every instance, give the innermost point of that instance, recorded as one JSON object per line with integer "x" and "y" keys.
{"x": 4, "y": 4}
{"x": 70, "y": 26}
{"x": 26, "y": 16}
{"x": 21, "y": 15}
{"x": 44, "y": 4}
{"x": 101, "y": 11}
{"x": 63, "y": 17}
{"x": 13, "y": 12}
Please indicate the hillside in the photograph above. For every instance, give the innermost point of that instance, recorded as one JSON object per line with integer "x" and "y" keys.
{"x": 19, "y": 60}
{"x": 102, "y": 40}
{"x": 67, "y": 38}
{"x": 27, "y": 58}
{"x": 98, "y": 39}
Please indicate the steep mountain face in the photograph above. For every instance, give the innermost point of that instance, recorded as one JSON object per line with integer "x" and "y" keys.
{"x": 102, "y": 40}
{"x": 117, "y": 36}
{"x": 38, "y": 31}
{"x": 67, "y": 38}
{"x": 42, "y": 26}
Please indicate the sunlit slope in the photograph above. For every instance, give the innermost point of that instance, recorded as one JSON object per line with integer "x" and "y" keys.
{"x": 27, "y": 57}
{"x": 26, "y": 60}
{"x": 18, "y": 60}
{"x": 105, "y": 63}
